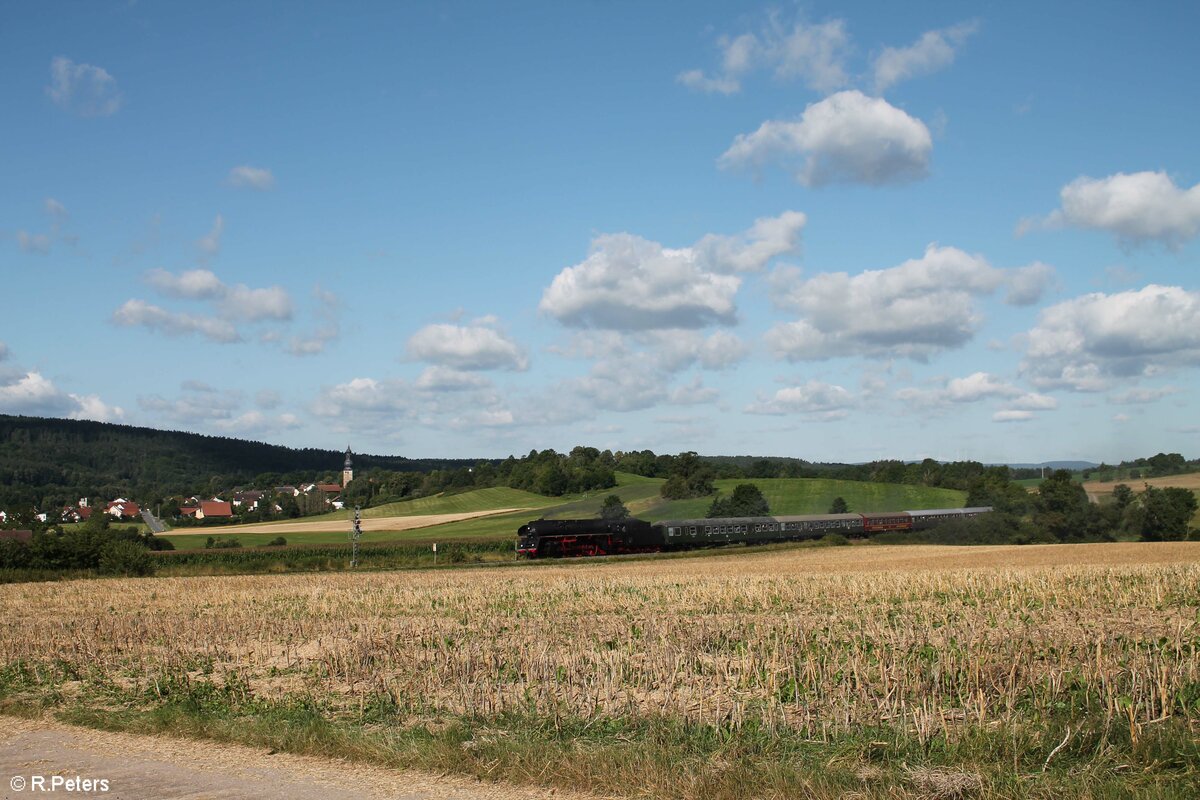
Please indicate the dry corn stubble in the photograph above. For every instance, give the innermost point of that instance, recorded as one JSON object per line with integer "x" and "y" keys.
{"x": 924, "y": 639}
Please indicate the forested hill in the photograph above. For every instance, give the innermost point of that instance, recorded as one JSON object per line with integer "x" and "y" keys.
{"x": 47, "y": 462}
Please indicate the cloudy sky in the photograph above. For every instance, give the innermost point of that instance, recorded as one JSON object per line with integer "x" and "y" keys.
{"x": 836, "y": 231}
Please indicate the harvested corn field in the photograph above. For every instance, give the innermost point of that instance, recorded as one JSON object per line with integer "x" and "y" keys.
{"x": 929, "y": 646}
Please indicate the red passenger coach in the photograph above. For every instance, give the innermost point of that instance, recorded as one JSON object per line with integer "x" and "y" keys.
{"x": 886, "y": 521}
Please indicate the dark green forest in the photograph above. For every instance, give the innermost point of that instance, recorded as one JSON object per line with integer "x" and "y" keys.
{"x": 52, "y": 462}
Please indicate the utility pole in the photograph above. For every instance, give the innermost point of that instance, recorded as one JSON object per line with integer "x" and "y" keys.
{"x": 355, "y": 535}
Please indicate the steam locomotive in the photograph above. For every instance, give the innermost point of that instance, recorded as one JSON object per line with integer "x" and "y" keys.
{"x": 557, "y": 538}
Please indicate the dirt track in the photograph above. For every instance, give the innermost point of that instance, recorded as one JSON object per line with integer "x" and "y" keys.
{"x": 368, "y": 524}
{"x": 1188, "y": 481}
{"x": 137, "y": 767}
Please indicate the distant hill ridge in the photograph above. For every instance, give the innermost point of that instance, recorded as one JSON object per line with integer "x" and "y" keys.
{"x": 47, "y": 461}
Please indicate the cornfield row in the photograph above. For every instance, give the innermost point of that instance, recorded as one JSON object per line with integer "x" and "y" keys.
{"x": 786, "y": 644}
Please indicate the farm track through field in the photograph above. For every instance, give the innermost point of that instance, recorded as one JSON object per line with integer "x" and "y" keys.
{"x": 1189, "y": 481}
{"x": 368, "y": 524}
{"x": 158, "y": 767}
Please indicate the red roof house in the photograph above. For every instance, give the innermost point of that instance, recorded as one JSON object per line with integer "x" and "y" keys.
{"x": 214, "y": 508}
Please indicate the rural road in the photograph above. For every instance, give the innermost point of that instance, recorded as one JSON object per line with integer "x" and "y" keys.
{"x": 155, "y": 524}
{"x": 160, "y": 768}
{"x": 403, "y": 523}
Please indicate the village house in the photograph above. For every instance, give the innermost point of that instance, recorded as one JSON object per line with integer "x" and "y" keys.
{"x": 123, "y": 509}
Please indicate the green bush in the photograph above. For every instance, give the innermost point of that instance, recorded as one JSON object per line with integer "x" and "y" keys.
{"x": 125, "y": 558}
{"x": 278, "y": 541}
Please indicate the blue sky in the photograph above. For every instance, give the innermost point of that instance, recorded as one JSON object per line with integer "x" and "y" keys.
{"x": 831, "y": 231}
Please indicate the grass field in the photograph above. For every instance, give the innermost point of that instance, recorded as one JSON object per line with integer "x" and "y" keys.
{"x": 863, "y": 671}
{"x": 641, "y": 496}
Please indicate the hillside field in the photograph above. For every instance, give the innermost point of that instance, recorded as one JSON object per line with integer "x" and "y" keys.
{"x": 865, "y": 671}
{"x": 641, "y": 496}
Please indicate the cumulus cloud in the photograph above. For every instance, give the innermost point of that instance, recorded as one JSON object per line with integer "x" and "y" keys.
{"x": 1084, "y": 344}
{"x": 33, "y": 394}
{"x": 83, "y": 89}
{"x": 466, "y": 347}
{"x": 847, "y": 137}
{"x": 235, "y": 302}
{"x": 816, "y": 399}
{"x": 933, "y": 51}
{"x": 448, "y": 379}
{"x": 248, "y": 177}
{"x": 631, "y": 283}
{"x": 618, "y": 385}
{"x": 156, "y": 318}
{"x": 793, "y": 50}
{"x": 1027, "y": 284}
{"x": 975, "y": 388}
{"x": 919, "y": 308}
{"x": 1135, "y": 208}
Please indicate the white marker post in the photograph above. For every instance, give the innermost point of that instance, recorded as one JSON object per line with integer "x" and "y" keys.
{"x": 435, "y": 554}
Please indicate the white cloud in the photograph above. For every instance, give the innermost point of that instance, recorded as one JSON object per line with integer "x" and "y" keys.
{"x": 618, "y": 385}
{"x": 914, "y": 310}
{"x": 1085, "y": 343}
{"x": 33, "y": 242}
{"x": 257, "y": 423}
{"x": 194, "y": 284}
{"x": 676, "y": 350}
{"x": 236, "y": 302}
{"x": 696, "y": 79}
{"x": 82, "y": 88}
{"x": 466, "y": 347}
{"x": 32, "y": 394}
{"x": 366, "y": 396}
{"x": 1142, "y": 396}
{"x": 814, "y": 54}
{"x": 817, "y": 399}
{"x": 1137, "y": 207}
{"x": 448, "y": 379}
{"x": 92, "y": 407}
{"x": 1033, "y": 401}
{"x": 1012, "y": 416}
{"x": 847, "y": 137}
{"x": 933, "y": 51}
{"x": 751, "y": 251}
{"x": 328, "y": 309}
{"x": 973, "y": 388}
{"x": 693, "y": 393}
{"x": 631, "y": 283}
{"x": 390, "y": 406}
{"x": 210, "y": 243}
{"x": 203, "y": 407}
{"x": 248, "y": 177}
{"x": 1027, "y": 284}
{"x": 139, "y": 312}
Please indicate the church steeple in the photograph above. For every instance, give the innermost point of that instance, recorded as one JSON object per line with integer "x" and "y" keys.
{"x": 347, "y": 469}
